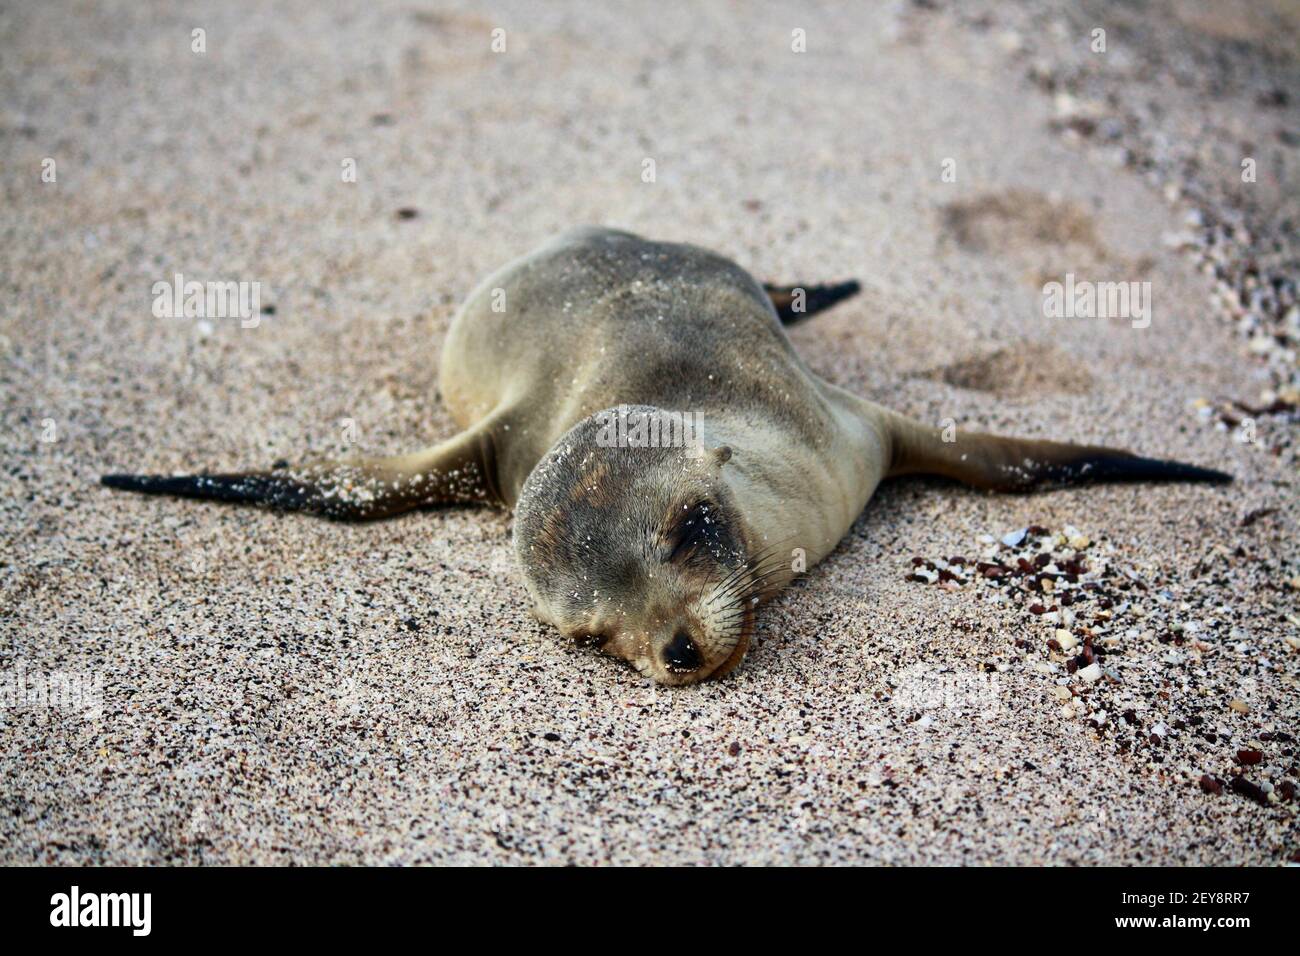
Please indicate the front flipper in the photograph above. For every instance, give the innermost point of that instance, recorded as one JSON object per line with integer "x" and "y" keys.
{"x": 459, "y": 471}
{"x": 1018, "y": 464}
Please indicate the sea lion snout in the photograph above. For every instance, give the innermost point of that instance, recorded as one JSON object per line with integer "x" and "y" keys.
{"x": 681, "y": 655}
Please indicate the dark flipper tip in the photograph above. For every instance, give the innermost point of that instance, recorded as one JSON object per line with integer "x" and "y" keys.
{"x": 1193, "y": 473}
{"x": 153, "y": 484}
{"x": 817, "y": 298}
{"x": 1156, "y": 469}
{"x": 246, "y": 489}
{"x": 822, "y": 297}
{"x": 1119, "y": 467}
{"x": 127, "y": 482}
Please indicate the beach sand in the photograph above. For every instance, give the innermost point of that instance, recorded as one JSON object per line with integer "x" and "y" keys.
{"x": 258, "y": 688}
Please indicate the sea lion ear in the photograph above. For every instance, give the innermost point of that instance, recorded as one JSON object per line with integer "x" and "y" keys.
{"x": 721, "y": 455}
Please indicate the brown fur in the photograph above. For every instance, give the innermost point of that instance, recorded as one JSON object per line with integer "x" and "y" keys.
{"x": 598, "y": 319}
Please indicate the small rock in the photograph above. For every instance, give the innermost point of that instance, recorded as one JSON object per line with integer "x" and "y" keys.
{"x": 1090, "y": 674}
{"x": 1010, "y": 41}
{"x": 1247, "y": 789}
{"x": 1239, "y": 705}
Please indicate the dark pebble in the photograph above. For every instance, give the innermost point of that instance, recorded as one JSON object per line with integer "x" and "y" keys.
{"x": 1247, "y": 789}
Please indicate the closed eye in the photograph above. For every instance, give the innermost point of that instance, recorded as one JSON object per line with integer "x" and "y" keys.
{"x": 692, "y": 530}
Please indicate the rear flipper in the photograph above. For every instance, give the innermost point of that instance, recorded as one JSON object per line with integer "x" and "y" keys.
{"x": 794, "y": 303}
{"x": 461, "y": 470}
{"x": 1017, "y": 464}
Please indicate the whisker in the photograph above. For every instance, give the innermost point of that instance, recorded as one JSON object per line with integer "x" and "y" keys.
{"x": 766, "y": 568}
{"x": 749, "y": 566}
{"x": 744, "y": 567}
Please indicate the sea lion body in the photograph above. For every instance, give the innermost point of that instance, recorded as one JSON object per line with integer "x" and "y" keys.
{"x": 658, "y": 552}
{"x": 600, "y": 318}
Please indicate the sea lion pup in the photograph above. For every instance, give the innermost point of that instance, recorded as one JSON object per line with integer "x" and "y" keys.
{"x": 567, "y": 369}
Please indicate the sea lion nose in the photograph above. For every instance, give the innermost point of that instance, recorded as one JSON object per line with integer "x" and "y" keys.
{"x": 681, "y": 654}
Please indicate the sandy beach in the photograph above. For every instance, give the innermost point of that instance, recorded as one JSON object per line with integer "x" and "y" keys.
{"x": 188, "y": 683}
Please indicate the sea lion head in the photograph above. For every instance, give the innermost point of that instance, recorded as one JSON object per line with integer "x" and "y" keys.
{"x": 634, "y": 544}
